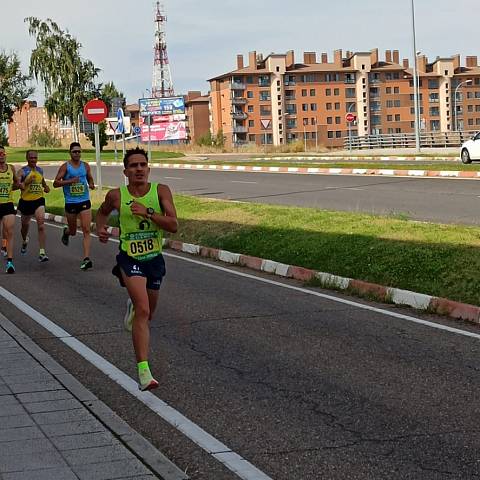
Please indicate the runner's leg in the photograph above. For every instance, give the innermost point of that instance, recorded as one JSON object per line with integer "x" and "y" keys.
{"x": 85, "y": 221}
{"x": 72, "y": 223}
{"x": 40, "y": 218}
{"x": 25, "y": 226}
{"x": 8, "y": 225}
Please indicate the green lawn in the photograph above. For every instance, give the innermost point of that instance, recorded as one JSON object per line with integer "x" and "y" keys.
{"x": 440, "y": 260}
{"x": 17, "y": 155}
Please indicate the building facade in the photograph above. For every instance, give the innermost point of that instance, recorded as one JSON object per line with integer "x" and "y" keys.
{"x": 275, "y": 100}
{"x": 30, "y": 117}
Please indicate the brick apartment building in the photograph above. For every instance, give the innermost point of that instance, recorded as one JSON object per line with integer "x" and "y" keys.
{"x": 275, "y": 100}
{"x": 30, "y": 116}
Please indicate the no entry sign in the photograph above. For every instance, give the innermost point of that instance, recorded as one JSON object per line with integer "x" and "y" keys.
{"x": 95, "y": 111}
{"x": 350, "y": 117}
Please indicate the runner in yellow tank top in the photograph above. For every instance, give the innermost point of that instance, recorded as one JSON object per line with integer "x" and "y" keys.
{"x": 8, "y": 183}
{"x": 32, "y": 201}
{"x": 145, "y": 210}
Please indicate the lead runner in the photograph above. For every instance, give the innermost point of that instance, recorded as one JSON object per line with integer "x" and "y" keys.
{"x": 146, "y": 210}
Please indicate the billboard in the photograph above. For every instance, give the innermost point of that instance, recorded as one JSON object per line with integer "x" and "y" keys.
{"x": 162, "y": 131}
{"x": 161, "y": 106}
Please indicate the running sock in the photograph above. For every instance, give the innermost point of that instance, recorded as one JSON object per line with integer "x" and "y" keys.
{"x": 4, "y": 243}
{"x": 144, "y": 372}
{"x": 42, "y": 251}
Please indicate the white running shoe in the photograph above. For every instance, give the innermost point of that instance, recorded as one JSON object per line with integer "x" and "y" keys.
{"x": 129, "y": 314}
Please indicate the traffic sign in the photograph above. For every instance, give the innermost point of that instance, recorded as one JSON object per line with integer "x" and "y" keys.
{"x": 350, "y": 117}
{"x": 137, "y": 130}
{"x": 95, "y": 111}
{"x": 265, "y": 123}
{"x": 120, "y": 122}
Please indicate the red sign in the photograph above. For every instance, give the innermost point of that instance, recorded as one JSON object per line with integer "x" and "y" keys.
{"x": 95, "y": 111}
{"x": 350, "y": 117}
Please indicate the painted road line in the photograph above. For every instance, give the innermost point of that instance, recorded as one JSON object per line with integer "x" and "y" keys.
{"x": 203, "y": 439}
{"x": 239, "y": 181}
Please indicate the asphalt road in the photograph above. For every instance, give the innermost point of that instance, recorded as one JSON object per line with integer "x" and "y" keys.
{"x": 301, "y": 386}
{"x": 436, "y": 200}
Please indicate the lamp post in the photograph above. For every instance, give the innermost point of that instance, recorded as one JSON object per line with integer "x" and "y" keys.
{"x": 304, "y": 138}
{"x": 466, "y": 82}
{"x": 350, "y": 127}
{"x": 415, "y": 82}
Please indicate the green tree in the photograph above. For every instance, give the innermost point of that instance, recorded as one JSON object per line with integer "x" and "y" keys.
{"x": 14, "y": 89}
{"x": 108, "y": 92}
{"x": 67, "y": 78}
{"x": 42, "y": 137}
{"x": 102, "y": 130}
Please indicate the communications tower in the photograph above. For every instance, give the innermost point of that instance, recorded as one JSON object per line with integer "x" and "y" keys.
{"x": 162, "y": 85}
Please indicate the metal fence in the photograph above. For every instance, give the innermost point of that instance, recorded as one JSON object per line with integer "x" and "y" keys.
{"x": 407, "y": 140}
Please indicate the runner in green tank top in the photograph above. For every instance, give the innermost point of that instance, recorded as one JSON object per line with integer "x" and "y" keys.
{"x": 146, "y": 209}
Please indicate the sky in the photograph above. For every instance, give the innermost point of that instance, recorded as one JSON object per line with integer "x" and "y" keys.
{"x": 204, "y": 37}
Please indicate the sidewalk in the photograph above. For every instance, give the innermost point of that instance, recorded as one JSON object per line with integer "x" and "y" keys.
{"x": 52, "y": 428}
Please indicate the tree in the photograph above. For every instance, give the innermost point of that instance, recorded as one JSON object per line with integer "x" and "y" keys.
{"x": 108, "y": 92}
{"x": 102, "y": 130}
{"x": 14, "y": 89}
{"x": 67, "y": 78}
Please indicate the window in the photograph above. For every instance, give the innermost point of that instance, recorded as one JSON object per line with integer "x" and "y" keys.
{"x": 396, "y": 89}
{"x": 250, "y": 109}
{"x": 470, "y": 121}
{"x": 389, "y": 103}
{"x": 433, "y": 83}
{"x": 328, "y": 92}
{"x": 470, "y": 108}
{"x": 304, "y": 92}
{"x": 249, "y": 94}
{"x": 434, "y": 97}
{"x": 434, "y": 124}
{"x": 264, "y": 80}
{"x": 374, "y": 77}
{"x": 336, "y": 92}
{"x": 374, "y": 92}
{"x": 265, "y": 111}
{"x": 289, "y": 80}
{"x": 337, "y": 120}
{"x": 249, "y": 79}
{"x": 392, "y": 76}
{"x": 251, "y": 137}
{"x": 349, "y": 78}
{"x": 389, "y": 118}
{"x": 251, "y": 123}
{"x": 338, "y": 134}
{"x": 264, "y": 95}
{"x": 305, "y": 121}
{"x": 396, "y": 103}
{"x": 313, "y": 107}
{"x": 329, "y": 120}
{"x": 337, "y": 106}
{"x": 332, "y": 77}
{"x": 330, "y": 134}
{"x": 278, "y": 69}
{"x": 289, "y": 94}
{"x": 291, "y": 123}
{"x": 291, "y": 108}
{"x": 312, "y": 92}
{"x": 376, "y": 119}
{"x": 388, "y": 90}
{"x": 375, "y": 106}
{"x": 309, "y": 78}
{"x": 350, "y": 93}
{"x": 329, "y": 106}
{"x": 350, "y": 107}
{"x": 397, "y": 117}
{"x": 434, "y": 111}
{"x": 304, "y": 107}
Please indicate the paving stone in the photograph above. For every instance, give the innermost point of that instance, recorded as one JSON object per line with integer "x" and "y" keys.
{"x": 104, "y": 471}
{"x": 84, "y": 440}
{"x": 72, "y": 428}
{"x": 7, "y": 410}
{"x": 8, "y": 400}
{"x": 44, "y": 474}
{"x": 104, "y": 454}
{"x": 36, "y": 387}
{"x": 25, "y": 446}
{"x": 35, "y": 397}
{"x": 4, "y": 390}
{"x": 50, "y": 418}
{"x": 22, "y": 433}
{"x": 31, "y": 461}
{"x": 16, "y": 421}
{"x": 27, "y": 378}
{"x": 53, "y": 406}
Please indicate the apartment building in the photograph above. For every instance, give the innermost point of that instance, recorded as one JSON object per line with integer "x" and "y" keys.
{"x": 276, "y": 100}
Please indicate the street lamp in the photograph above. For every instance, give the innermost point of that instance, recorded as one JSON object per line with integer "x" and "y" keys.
{"x": 350, "y": 127}
{"x": 415, "y": 82}
{"x": 466, "y": 82}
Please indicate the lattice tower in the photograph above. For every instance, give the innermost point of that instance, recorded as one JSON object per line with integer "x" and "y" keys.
{"x": 162, "y": 85}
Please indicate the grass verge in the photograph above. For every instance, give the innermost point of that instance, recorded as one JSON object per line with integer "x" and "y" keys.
{"x": 435, "y": 259}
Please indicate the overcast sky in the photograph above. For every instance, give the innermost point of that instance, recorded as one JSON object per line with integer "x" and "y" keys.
{"x": 204, "y": 37}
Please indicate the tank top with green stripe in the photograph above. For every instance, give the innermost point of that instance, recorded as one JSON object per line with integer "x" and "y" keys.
{"x": 140, "y": 237}
{"x": 6, "y": 185}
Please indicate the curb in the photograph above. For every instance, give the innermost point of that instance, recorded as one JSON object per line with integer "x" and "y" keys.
{"x": 396, "y": 296}
{"x": 306, "y": 170}
{"x": 150, "y": 456}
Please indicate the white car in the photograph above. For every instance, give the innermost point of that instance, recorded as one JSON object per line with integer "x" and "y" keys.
{"x": 470, "y": 150}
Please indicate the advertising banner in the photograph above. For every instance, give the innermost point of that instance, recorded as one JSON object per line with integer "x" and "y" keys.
{"x": 162, "y": 131}
{"x": 161, "y": 106}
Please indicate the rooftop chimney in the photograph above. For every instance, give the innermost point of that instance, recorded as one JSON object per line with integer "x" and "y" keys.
{"x": 374, "y": 56}
{"x": 239, "y": 62}
{"x": 337, "y": 58}
{"x": 396, "y": 56}
{"x": 324, "y": 57}
{"x": 456, "y": 61}
{"x": 405, "y": 63}
{"x": 388, "y": 56}
{"x": 290, "y": 58}
{"x": 309, "y": 57}
{"x": 252, "y": 60}
{"x": 422, "y": 63}
{"x": 472, "y": 61}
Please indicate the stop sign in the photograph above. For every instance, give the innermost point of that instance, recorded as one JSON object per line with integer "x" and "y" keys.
{"x": 95, "y": 111}
{"x": 350, "y": 117}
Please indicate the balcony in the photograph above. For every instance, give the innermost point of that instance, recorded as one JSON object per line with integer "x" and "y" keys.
{"x": 351, "y": 81}
{"x": 237, "y": 86}
{"x": 240, "y": 129}
{"x": 239, "y": 115}
{"x": 239, "y": 100}
{"x": 290, "y": 98}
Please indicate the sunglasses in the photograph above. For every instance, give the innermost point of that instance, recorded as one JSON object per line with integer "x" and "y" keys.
{"x": 75, "y": 151}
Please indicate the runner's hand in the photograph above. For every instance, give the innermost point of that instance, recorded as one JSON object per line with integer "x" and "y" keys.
{"x": 138, "y": 209}
{"x": 103, "y": 234}
{"x": 46, "y": 189}
{"x": 73, "y": 180}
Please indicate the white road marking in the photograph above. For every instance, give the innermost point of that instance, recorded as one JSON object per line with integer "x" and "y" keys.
{"x": 203, "y": 439}
{"x": 173, "y": 178}
{"x": 239, "y": 181}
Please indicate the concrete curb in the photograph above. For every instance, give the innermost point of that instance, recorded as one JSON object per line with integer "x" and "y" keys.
{"x": 307, "y": 170}
{"x": 150, "y": 456}
{"x": 419, "y": 301}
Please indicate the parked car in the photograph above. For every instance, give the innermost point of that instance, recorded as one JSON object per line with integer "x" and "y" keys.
{"x": 470, "y": 150}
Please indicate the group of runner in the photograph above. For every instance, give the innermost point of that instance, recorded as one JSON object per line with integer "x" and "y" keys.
{"x": 145, "y": 210}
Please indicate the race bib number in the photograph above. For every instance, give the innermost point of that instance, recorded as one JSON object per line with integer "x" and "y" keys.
{"x": 35, "y": 188}
{"x": 77, "y": 189}
{"x": 142, "y": 245}
{"x": 5, "y": 190}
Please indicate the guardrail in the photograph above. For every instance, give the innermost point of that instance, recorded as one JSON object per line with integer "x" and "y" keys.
{"x": 407, "y": 140}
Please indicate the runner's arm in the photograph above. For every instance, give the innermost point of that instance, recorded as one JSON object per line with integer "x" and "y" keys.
{"x": 59, "y": 180}
{"x": 46, "y": 188}
{"x": 91, "y": 183}
{"x": 111, "y": 202}
{"x": 16, "y": 180}
{"x": 167, "y": 218}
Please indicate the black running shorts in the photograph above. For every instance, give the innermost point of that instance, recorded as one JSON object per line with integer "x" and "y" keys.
{"x": 153, "y": 270}
{"x": 29, "y": 207}
{"x": 7, "y": 209}
{"x": 76, "y": 208}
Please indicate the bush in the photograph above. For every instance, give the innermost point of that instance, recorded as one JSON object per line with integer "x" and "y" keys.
{"x": 3, "y": 136}
{"x": 102, "y": 132}
{"x": 209, "y": 140}
{"x": 42, "y": 137}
